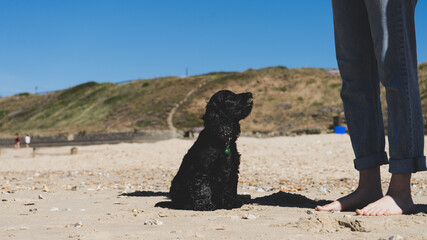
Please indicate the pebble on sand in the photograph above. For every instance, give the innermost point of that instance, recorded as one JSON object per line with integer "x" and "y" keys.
{"x": 153, "y": 222}
{"x": 249, "y": 217}
{"x": 73, "y": 151}
{"x": 33, "y": 210}
{"x": 76, "y": 225}
{"x": 396, "y": 237}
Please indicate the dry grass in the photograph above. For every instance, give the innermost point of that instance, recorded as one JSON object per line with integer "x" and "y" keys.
{"x": 285, "y": 101}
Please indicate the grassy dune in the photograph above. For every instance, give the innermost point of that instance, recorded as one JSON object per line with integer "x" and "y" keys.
{"x": 285, "y": 100}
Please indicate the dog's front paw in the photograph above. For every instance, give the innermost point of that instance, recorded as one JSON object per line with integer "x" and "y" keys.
{"x": 206, "y": 207}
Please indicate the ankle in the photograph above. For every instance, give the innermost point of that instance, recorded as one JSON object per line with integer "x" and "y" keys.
{"x": 400, "y": 185}
{"x": 370, "y": 180}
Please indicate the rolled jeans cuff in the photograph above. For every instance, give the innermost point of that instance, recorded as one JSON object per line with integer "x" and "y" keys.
{"x": 370, "y": 161}
{"x": 409, "y": 165}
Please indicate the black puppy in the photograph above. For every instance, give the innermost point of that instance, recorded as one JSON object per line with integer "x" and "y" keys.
{"x": 208, "y": 175}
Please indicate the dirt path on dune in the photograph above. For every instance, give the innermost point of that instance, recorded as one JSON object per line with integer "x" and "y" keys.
{"x": 177, "y": 105}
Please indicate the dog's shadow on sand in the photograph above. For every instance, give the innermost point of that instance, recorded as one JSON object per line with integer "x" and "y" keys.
{"x": 280, "y": 199}
{"x": 145, "y": 194}
{"x": 286, "y": 199}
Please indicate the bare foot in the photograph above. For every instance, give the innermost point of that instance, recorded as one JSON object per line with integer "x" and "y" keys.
{"x": 398, "y": 199}
{"x": 359, "y": 198}
{"x": 368, "y": 191}
{"x": 388, "y": 206}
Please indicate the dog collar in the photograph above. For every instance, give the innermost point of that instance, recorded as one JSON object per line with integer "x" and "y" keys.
{"x": 227, "y": 140}
{"x": 227, "y": 147}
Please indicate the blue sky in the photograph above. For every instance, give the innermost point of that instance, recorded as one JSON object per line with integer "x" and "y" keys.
{"x": 53, "y": 45}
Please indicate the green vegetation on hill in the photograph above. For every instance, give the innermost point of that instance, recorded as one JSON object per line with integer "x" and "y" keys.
{"x": 285, "y": 100}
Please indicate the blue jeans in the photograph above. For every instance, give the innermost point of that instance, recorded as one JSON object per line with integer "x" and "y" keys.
{"x": 375, "y": 42}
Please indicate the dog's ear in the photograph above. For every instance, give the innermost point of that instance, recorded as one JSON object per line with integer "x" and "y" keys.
{"x": 216, "y": 121}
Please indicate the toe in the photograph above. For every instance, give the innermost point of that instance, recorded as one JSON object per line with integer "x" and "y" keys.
{"x": 381, "y": 212}
{"x": 378, "y": 212}
{"x": 371, "y": 212}
{"x": 322, "y": 208}
{"x": 364, "y": 210}
{"x": 329, "y": 207}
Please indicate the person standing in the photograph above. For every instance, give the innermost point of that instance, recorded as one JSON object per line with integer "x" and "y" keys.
{"x": 27, "y": 140}
{"x": 17, "y": 141}
{"x": 375, "y": 42}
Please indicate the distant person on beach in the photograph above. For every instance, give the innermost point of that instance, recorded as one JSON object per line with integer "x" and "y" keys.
{"x": 375, "y": 42}
{"x": 27, "y": 140}
{"x": 17, "y": 141}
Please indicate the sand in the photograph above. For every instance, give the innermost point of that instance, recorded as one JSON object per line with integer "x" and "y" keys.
{"x": 109, "y": 192}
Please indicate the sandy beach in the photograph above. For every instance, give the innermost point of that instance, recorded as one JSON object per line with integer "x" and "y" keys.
{"x": 109, "y": 192}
